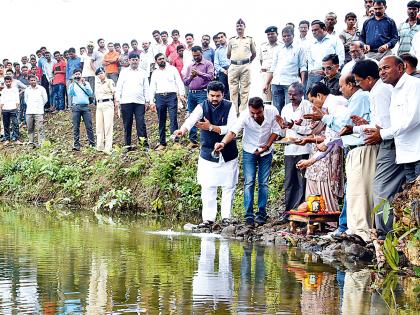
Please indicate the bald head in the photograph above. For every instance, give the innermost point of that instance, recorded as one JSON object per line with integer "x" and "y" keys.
{"x": 348, "y": 85}
{"x": 391, "y": 69}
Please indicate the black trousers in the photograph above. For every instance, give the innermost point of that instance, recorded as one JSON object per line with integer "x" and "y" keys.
{"x": 128, "y": 112}
{"x": 294, "y": 181}
{"x": 224, "y": 79}
{"x": 164, "y": 104}
{"x": 46, "y": 85}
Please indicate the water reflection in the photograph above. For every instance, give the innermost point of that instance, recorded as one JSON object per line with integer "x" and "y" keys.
{"x": 73, "y": 265}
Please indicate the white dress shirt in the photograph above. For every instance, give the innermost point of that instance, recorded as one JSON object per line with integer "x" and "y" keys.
{"x": 305, "y": 107}
{"x": 254, "y": 135}
{"x": 287, "y": 61}
{"x": 9, "y": 98}
{"x": 166, "y": 80}
{"x": 348, "y": 67}
{"x": 415, "y": 47}
{"x": 133, "y": 86}
{"x": 35, "y": 99}
{"x": 330, "y": 44}
{"x": 405, "y": 119}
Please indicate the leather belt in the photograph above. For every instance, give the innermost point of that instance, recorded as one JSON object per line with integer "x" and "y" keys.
{"x": 264, "y": 70}
{"x": 104, "y": 100}
{"x": 197, "y": 91}
{"x": 240, "y": 62}
{"x": 165, "y": 93}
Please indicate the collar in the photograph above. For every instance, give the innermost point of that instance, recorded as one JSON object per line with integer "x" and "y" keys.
{"x": 402, "y": 80}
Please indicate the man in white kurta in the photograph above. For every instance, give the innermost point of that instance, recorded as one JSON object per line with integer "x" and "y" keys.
{"x": 214, "y": 117}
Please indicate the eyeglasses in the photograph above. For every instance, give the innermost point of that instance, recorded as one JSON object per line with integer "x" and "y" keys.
{"x": 327, "y": 68}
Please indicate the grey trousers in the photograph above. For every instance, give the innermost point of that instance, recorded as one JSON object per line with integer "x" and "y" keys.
{"x": 387, "y": 182}
{"x": 35, "y": 123}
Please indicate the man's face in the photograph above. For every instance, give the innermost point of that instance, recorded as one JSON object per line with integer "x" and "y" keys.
{"x": 180, "y": 52}
{"x": 43, "y": 50}
{"x": 329, "y": 68}
{"x": 8, "y": 83}
{"x": 66, "y": 55}
{"x": 197, "y": 56}
{"x": 156, "y": 36}
{"x": 164, "y": 37}
{"x": 72, "y": 54}
{"x": 389, "y": 71}
{"x": 101, "y": 75}
{"x": 117, "y": 48}
{"x": 317, "y": 100}
{"x": 24, "y": 60}
{"x": 287, "y": 38}
{"x": 33, "y": 70}
{"x": 77, "y": 75}
{"x": 412, "y": 12}
{"x": 222, "y": 39}
{"x": 17, "y": 67}
{"x": 48, "y": 56}
{"x": 175, "y": 37}
{"x": 126, "y": 48}
{"x": 205, "y": 41}
{"x": 9, "y": 66}
{"x": 134, "y": 63}
{"x": 57, "y": 57}
{"x": 33, "y": 62}
{"x": 25, "y": 71}
{"x": 272, "y": 37}
{"x": 216, "y": 41}
{"x": 145, "y": 45}
{"x": 294, "y": 96}
{"x": 356, "y": 53}
{"x": 1, "y": 69}
{"x": 9, "y": 72}
{"x": 351, "y": 22}
{"x": 189, "y": 40}
{"x": 330, "y": 21}
{"x": 317, "y": 32}
{"x": 368, "y": 4}
{"x": 111, "y": 47}
{"x": 240, "y": 28}
{"x": 303, "y": 29}
{"x": 32, "y": 82}
{"x": 215, "y": 97}
{"x": 82, "y": 51}
{"x": 161, "y": 61}
{"x": 256, "y": 114}
{"x": 379, "y": 9}
{"x": 364, "y": 84}
{"x": 134, "y": 45}
{"x": 90, "y": 49}
{"x": 345, "y": 88}
{"x": 101, "y": 44}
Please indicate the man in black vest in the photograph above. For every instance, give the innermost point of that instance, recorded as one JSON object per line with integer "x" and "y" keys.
{"x": 215, "y": 116}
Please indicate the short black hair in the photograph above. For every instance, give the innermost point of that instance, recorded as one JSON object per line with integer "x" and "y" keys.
{"x": 216, "y": 86}
{"x": 320, "y": 23}
{"x": 179, "y": 47}
{"x": 8, "y": 78}
{"x": 56, "y": 52}
{"x": 134, "y": 41}
{"x": 320, "y": 88}
{"x": 99, "y": 39}
{"x": 349, "y": 79}
{"x": 174, "y": 32}
{"x": 189, "y": 34}
{"x": 304, "y": 22}
{"x": 256, "y": 102}
{"x": 410, "y": 59}
{"x": 164, "y": 32}
{"x": 77, "y": 70}
{"x": 223, "y": 33}
{"x": 333, "y": 57}
{"x": 366, "y": 68}
{"x": 350, "y": 15}
{"x": 413, "y": 4}
{"x": 379, "y": 2}
{"x": 71, "y": 50}
{"x": 117, "y": 44}
{"x": 24, "y": 67}
{"x": 289, "y": 30}
{"x": 205, "y": 35}
{"x": 196, "y": 48}
{"x": 125, "y": 44}
{"x": 31, "y": 76}
{"x": 158, "y": 55}
{"x": 155, "y": 31}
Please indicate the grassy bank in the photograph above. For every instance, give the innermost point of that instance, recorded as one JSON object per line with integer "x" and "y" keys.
{"x": 156, "y": 183}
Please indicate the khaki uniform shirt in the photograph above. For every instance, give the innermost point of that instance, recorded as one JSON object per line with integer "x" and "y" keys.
{"x": 105, "y": 90}
{"x": 266, "y": 55}
{"x": 241, "y": 48}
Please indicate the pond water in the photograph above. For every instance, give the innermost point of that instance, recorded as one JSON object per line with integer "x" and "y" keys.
{"x": 66, "y": 263}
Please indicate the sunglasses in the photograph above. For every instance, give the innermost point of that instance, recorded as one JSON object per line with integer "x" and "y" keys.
{"x": 327, "y": 68}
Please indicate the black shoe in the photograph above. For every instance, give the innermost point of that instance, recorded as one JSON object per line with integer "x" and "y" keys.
{"x": 249, "y": 223}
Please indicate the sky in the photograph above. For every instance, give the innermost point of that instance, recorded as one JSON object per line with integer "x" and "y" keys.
{"x": 60, "y": 24}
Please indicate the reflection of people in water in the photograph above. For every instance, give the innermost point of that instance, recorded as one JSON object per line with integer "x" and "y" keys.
{"x": 213, "y": 288}
{"x": 247, "y": 294}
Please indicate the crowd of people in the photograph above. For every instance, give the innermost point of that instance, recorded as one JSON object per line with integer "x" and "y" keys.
{"x": 346, "y": 104}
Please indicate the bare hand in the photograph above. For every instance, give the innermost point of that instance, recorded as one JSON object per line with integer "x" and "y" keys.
{"x": 367, "y": 48}
{"x": 358, "y": 121}
{"x": 302, "y": 164}
{"x": 303, "y": 141}
{"x": 153, "y": 107}
{"x": 298, "y": 122}
{"x": 316, "y": 114}
{"x": 346, "y": 130}
{"x": 194, "y": 73}
{"x": 265, "y": 88}
{"x": 205, "y": 125}
{"x": 261, "y": 150}
{"x": 219, "y": 146}
{"x": 373, "y": 136}
{"x": 383, "y": 48}
{"x": 322, "y": 147}
{"x": 180, "y": 133}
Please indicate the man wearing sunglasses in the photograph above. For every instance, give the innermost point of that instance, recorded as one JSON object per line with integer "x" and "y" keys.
{"x": 330, "y": 66}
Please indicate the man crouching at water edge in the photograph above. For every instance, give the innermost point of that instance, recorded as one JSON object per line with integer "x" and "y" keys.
{"x": 215, "y": 116}
{"x": 260, "y": 130}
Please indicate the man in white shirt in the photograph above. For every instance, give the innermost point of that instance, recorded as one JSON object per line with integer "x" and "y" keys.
{"x": 415, "y": 46}
{"x": 388, "y": 175}
{"x": 295, "y": 126}
{"x": 159, "y": 46}
{"x": 324, "y": 44}
{"x": 289, "y": 61}
{"x": 133, "y": 92}
{"x": 260, "y": 129}
{"x": 357, "y": 53}
{"x": 88, "y": 70}
{"x": 35, "y": 99}
{"x": 147, "y": 60}
{"x": 165, "y": 84}
{"x": 215, "y": 116}
{"x": 9, "y": 104}
{"x": 404, "y": 114}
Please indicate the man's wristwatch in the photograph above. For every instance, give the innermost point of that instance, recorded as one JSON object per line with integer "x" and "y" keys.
{"x": 211, "y": 128}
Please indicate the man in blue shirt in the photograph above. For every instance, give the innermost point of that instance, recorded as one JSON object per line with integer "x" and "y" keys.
{"x": 80, "y": 91}
{"x": 379, "y": 33}
{"x": 222, "y": 63}
{"x": 73, "y": 63}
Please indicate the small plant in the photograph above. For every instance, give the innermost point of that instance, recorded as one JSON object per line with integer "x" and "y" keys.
{"x": 116, "y": 200}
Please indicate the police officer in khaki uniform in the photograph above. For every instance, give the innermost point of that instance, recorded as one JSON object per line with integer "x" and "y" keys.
{"x": 241, "y": 51}
{"x": 266, "y": 58}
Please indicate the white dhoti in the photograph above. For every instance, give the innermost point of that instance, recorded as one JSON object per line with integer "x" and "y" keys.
{"x": 211, "y": 175}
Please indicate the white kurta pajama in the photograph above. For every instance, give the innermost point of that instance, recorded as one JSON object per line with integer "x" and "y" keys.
{"x": 211, "y": 175}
